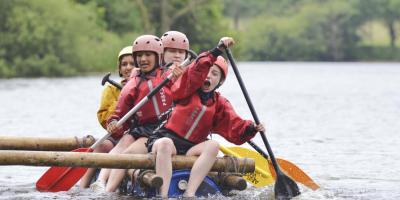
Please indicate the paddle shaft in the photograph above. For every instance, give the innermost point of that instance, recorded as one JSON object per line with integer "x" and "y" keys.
{"x": 258, "y": 149}
{"x": 117, "y": 85}
{"x": 252, "y": 110}
{"x": 106, "y": 78}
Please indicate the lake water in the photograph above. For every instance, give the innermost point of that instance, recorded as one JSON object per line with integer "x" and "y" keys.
{"x": 339, "y": 122}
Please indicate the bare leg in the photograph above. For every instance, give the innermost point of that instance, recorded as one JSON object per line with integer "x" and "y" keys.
{"x": 116, "y": 175}
{"x": 105, "y": 147}
{"x": 208, "y": 152}
{"x": 125, "y": 141}
{"x": 164, "y": 149}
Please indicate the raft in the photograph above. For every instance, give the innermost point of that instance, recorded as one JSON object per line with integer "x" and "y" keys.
{"x": 213, "y": 184}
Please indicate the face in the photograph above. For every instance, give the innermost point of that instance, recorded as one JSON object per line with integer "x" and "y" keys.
{"x": 126, "y": 66}
{"x": 174, "y": 55}
{"x": 212, "y": 80}
{"x": 146, "y": 60}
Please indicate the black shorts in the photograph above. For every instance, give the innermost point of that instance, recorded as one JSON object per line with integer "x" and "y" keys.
{"x": 182, "y": 145}
{"x": 113, "y": 141}
{"x": 144, "y": 130}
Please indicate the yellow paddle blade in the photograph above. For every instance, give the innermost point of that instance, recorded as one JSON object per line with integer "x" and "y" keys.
{"x": 262, "y": 175}
{"x": 286, "y": 166}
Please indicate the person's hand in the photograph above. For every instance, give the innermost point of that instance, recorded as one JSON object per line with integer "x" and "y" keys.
{"x": 124, "y": 81}
{"x": 112, "y": 127}
{"x": 260, "y": 127}
{"x": 176, "y": 70}
{"x": 225, "y": 42}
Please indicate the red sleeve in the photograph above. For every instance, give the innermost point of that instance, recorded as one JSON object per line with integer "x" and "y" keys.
{"x": 228, "y": 124}
{"x": 124, "y": 104}
{"x": 193, "y": 77}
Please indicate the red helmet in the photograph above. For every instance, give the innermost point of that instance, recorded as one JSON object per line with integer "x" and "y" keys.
{"x": 175, "y": 39}
{"x": 148, "y": 43}
{"x": 223, "y": 65}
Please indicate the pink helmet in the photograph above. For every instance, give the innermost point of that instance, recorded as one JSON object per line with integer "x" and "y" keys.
{"x": 148, "y": 43}
{"x": 175, "y": 39}
{"x": 223, "y": 65}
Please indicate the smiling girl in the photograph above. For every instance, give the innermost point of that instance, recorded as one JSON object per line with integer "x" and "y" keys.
{"x": 147, "y": 55}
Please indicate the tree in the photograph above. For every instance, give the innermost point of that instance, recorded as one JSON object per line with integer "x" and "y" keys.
{"x": 387, "y": 11}
{"x": 321, "y": 30}
{"x": 54, "y": 38}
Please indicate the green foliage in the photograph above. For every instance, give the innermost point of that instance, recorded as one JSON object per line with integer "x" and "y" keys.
{"x": 320, "y": 31}
{"x": 373, "y": 53}
{"x": 71, "y": 37}
{"x": 203, "y": 34}
{"x": 54, "y": 38}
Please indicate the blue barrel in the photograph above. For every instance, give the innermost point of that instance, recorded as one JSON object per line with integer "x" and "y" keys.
{"x": 177, "y": 186}
{"x": 181, "y": 177}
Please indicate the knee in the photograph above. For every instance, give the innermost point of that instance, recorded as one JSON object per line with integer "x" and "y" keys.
{"x": 104, "y": 147}
{"x": 126, "y": 140}
{"x": 212, "y": 147}
{"x": 165, "y": 145}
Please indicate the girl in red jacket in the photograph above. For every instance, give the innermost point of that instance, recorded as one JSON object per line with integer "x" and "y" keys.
{"x": 107, "y": 105}
{"x": 175, "y": 51}
{"x": 199, "y": 111}
{"x": 176, "y": 47}
{"x": 147, "y": 54}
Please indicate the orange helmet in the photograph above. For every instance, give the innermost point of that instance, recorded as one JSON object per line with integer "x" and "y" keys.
{"x": 223, "y": 65}
{"x": 175, "y": 39}
{"x": 148, "y": 43}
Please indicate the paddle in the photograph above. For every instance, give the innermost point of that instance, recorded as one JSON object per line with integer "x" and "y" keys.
{"x": 290, "y": 168}
{"x": 262, "y": 175}
{"x": 58, "y": 179}
{"x": 261, "y": 163}
{"x": 106, "y": 78}
{"x": 63, "y": 178}
{"x": 285, "y": 187}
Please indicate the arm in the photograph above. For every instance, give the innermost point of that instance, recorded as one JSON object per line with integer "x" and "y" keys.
{"x": 124, "y": 104}
{"x": 193, "y": 77}
{"x": 229, "y": 125}
{"x": 108, "y": 102}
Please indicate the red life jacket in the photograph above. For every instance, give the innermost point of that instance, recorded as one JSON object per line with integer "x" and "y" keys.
{"x": 192, "y": 120}
{"x": 134, "y": 91}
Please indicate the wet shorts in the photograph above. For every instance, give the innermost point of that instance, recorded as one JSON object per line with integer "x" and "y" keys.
{"x": 182, "y": 145}
{"x": 143, "y": 131}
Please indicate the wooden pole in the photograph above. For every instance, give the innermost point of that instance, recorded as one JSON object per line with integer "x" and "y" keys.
{"x": 150, "y": 179}
{"x": 118, "y": 161}
{"x": 44, "y": 144}
{"x": 234, "y": 182}
{"x": 229, "y": 181}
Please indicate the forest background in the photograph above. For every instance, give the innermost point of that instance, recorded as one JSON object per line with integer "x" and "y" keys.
{"x": 76, "y": 37}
